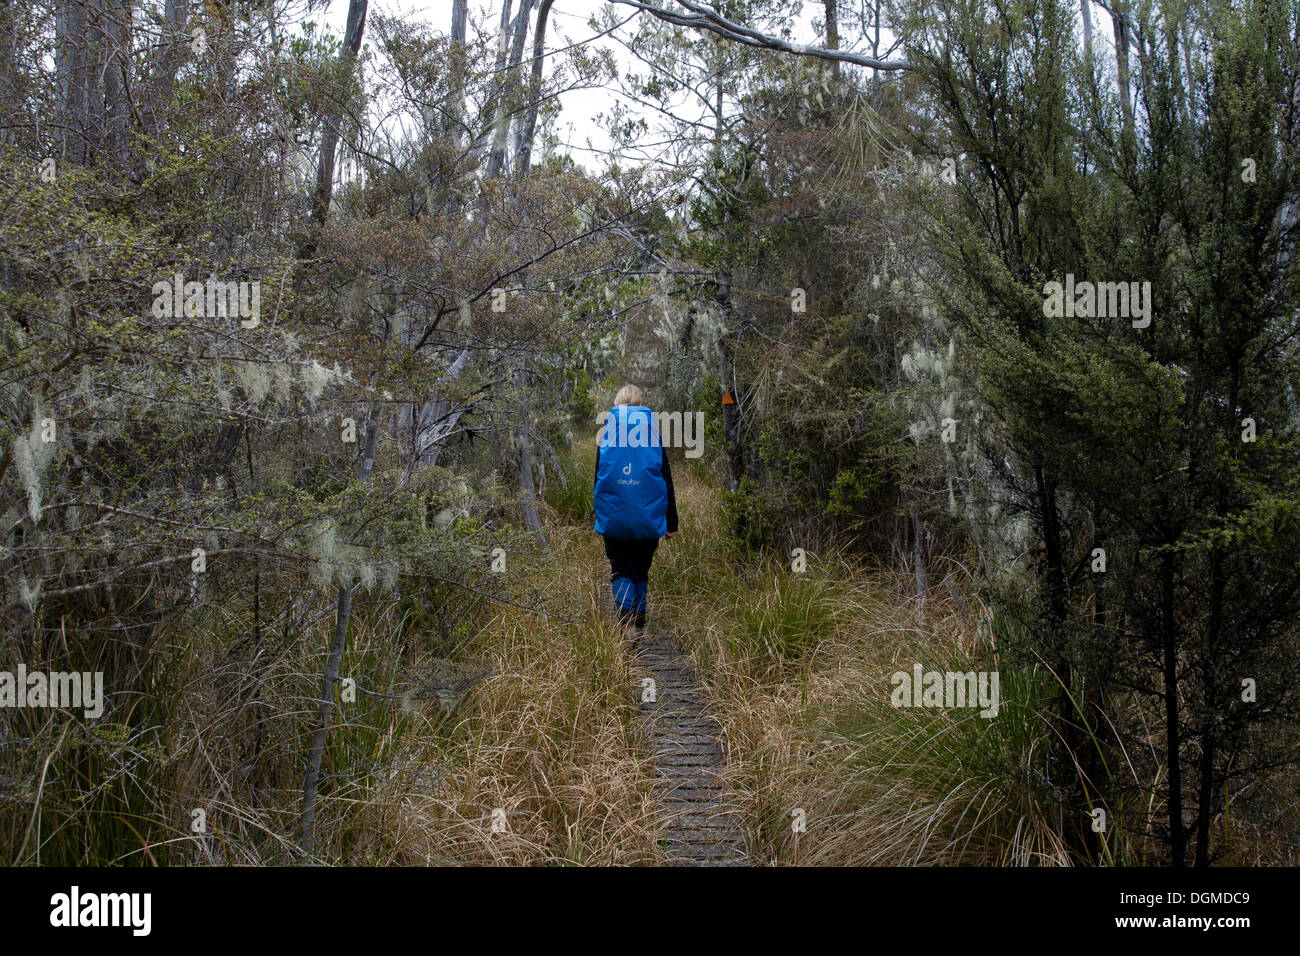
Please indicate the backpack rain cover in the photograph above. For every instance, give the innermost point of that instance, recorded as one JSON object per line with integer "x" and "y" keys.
{"x": 631, "y": 496}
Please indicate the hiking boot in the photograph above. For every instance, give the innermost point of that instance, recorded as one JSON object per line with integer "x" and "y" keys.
{"x": 640, "y": 621}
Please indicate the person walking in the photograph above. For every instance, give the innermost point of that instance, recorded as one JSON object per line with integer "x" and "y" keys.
{"x": 633, "y": 500}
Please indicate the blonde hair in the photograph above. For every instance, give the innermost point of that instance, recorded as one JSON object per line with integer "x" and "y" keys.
{"x": 628, "y": 395}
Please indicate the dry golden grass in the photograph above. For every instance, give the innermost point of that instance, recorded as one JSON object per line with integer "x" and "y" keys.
{"x": 550, "y": 739}
{"x": 799, "y": 665}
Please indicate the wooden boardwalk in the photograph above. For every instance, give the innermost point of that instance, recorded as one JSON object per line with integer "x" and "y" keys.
{"x": 698, "y": 824}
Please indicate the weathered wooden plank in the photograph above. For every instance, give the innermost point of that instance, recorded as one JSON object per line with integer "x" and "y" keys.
{"x": 698, "y": 823}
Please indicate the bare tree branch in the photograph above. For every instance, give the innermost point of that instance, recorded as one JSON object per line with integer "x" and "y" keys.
{"x": 702, "y": 17}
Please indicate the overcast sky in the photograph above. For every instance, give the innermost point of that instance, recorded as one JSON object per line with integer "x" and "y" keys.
{"x": 567, "y": 24}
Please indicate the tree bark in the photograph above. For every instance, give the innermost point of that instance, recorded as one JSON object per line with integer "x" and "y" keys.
{"x": 524, "y": 143}
{"x": 115, "y": 71}
{"x": 170, "y": 56}
{"x": 509, "y": 86}
{"x": 706, "y": 18}
{"x": 325, "y": 703}
{"x": 1173, "y": 730}
{"x": 324, "y": 191}
{"x": 1120, "y": 23}
{"x": 524, "y": 455}
{"x": 434, "y": 420}
{"x": 72, "y": 64}
{"x": 832, "y": 31}
{"x": 918, "y": 561}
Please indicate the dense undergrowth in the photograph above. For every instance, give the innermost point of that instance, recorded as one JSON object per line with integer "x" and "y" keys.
{"x": 504, "y": 735}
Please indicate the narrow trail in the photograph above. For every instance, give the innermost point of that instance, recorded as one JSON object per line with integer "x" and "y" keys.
{"x": 698, "y": 824}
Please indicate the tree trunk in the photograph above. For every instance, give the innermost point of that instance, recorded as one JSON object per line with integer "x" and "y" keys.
{"x": 832, "y": 31}
{"x": 509, "y": 86}
{"x": 1120, "y": 21}
{"x": 524, "y": 455}
{"x": 459, "y": 17}
{"x": 10, "y": 107}
{"x": 875, "y": 48}
{"x": 72, "y": 29}
{"x": 325, "y": 704}
{"x": 436, "y": 418}
{"x": 524, "y": 143}
{"x": 324, "y": 192}
{"x": 482, "y": 139}
{"x": 918, "y": 561}
{"x": 496, "y": 164}
{"x": 452, "y": 119}
{"x": 1068, "y": 717}
{"x": 1214, "y": 708}
{"x": 1173, "y": 731}
{"x": 167, "y": 63}
{"x": 434, "y": 421}
{"x": 730, "y": 419}
{"x": 442, "y": 178}
{"x": 731, "y": 411}
{"x": 1206, "y": 801}
{"x": 116, "y": 73}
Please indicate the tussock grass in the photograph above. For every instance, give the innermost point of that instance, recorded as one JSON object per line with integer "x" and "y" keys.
{"x": 918, "y": 786}
{"x": 504, "y": 708}
{"x": 800, "y": 665}
{"x": 568, "y": 494}
{"x": 467, "y": 706}
{"x": 550, "y": 739}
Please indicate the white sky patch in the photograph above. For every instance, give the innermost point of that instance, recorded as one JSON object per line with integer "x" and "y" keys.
{"x": 580, "y": 135}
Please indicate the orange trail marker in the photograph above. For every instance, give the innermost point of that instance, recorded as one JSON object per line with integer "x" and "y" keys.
{"x": 726, "y": 397}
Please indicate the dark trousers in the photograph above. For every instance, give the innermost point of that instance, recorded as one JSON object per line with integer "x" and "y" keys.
{"x": 629, "y": 571}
